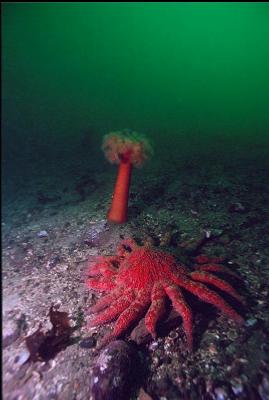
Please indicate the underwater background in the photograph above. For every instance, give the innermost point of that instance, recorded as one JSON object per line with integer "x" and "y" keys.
{"x": 194, "y": 79}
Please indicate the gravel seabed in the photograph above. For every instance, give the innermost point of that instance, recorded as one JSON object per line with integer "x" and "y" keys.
{"x": 52, "y": 229}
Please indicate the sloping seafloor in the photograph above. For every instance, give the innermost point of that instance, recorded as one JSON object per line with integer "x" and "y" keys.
{"x": 56, "y": 225}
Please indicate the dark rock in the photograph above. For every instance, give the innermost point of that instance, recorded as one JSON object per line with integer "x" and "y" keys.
{"x": 140, "y": 334}
{"x": 237, "y": 208}
{"x": 22, "y": 324}
{"x": 114, "y": 373}
{"x": 88, "y": 343}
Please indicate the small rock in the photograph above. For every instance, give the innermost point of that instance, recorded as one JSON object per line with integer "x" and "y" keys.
{"x": 42, "y": 234}
{"x": 264, "y": 388}
{"x": 237, "y": 386}
{"x": 95, "y": 233}
{"x": 10, "y": 333}
{"x": 208, "y": 234}
{"x": 251, "y": 322}
{"x": 221, "y": 394}
{"x": 88, "y": 343}
{"x": 140, "y": 334}
{"x": 166, "y": 238}
{"x": 52, "y": 262}
{"x": 113, "y": 373}
{"x": 193, "y": 212}
{"x": 10, "y": 302}
{"x": 21, "y": 358}
{"x": 216, "y": 232}
{"x": 237, "y": 208}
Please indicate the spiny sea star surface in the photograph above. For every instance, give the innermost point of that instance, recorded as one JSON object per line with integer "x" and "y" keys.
{"x": 140, "y": 278}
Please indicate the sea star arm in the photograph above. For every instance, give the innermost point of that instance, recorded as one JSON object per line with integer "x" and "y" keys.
{"x": 216, "y": 268}
{"x": 219, "y": 283}
{"x": 106, "y": 301}
{"x": 156, "y": 309}
{"x": 114, "y": 310}
{"x": 207, "y": 295}
{"x": 134, "y": 311}
{"x": 175, "y": 295}
{"x": 203, "y": 259}
{"x": 100, "y": 284}
{"x": 104, "y": 267}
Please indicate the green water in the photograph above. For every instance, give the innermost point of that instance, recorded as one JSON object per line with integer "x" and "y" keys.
{"x": 186, "y": 74}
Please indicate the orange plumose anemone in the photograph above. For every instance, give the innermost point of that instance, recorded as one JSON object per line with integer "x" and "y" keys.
{"x": 127, "y": 149}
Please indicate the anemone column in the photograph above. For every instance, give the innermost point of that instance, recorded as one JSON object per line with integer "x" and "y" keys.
{"x": 127, "y": 149}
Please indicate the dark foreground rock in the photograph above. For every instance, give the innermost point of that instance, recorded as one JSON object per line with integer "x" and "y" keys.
{"x": 113, "y": 375}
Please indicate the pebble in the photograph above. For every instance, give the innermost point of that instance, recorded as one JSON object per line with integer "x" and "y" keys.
{"x": 221, "y": 394}
{"x": 264, "y": 388}
{"x": 113, "y": 373}
{"x": 42, "y": 234}
{"x": 95, "y": 232}
{"x": 251, "y": 322}
{"x": 88, "y": 343}
{"x": 22, "y": 357}
{"x": 237, "y": 387}
{"x": 153, "y": 345}
{"x": 10, "y": 333}
{"x": 52, "y": 262}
